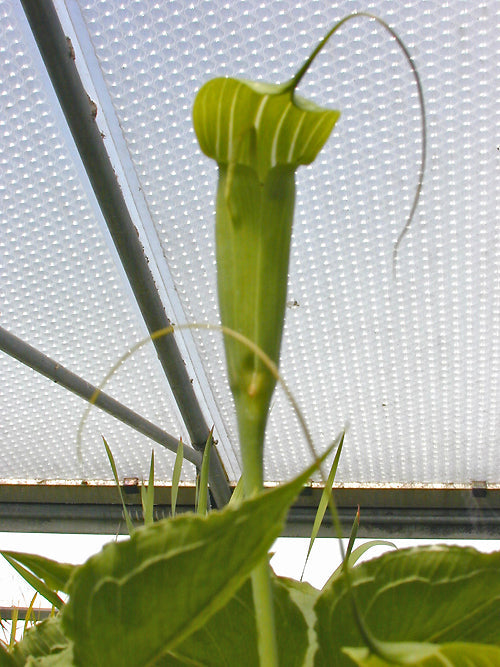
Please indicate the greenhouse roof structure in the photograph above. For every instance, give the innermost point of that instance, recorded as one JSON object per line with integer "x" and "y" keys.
{"x": 107, "y": 235}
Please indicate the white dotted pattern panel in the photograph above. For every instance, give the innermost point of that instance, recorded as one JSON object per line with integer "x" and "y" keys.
{"x": 412, "y": 363}
{"x": 61, "y": 292}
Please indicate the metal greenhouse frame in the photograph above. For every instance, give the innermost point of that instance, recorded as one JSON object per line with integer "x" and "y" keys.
{"x": 465, "y": 507}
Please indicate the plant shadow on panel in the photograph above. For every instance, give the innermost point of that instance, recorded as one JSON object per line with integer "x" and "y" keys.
{"x": 198, "y": 589}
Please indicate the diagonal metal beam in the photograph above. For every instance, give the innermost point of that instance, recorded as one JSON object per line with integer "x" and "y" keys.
{"x": 30, "y": 356}
{"x": 77, "y": 109}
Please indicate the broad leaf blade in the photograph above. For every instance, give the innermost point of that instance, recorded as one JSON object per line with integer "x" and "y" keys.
{"x": 140, "y": 598}
{"x": 458, "y": 654}
{"x": 429, "y": 595}
{"x": 230, "y": 636}
{"x": 305, "y": 597}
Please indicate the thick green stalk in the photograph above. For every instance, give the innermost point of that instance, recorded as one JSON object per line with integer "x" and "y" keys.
{"x": 252, "y": 429}
{"x": 264, "y": 616}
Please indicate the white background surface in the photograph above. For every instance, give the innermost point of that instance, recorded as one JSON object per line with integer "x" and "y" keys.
{"x": 288, "y": 560}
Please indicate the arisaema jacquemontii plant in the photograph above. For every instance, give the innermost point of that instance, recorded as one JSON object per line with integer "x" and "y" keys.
{"x": 259, "y": 134}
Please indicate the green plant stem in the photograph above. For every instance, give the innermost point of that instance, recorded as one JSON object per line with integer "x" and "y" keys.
{"x": 252, "y": 430}
{"x": 251, "y": 427}
{"x": 264, "y": 615}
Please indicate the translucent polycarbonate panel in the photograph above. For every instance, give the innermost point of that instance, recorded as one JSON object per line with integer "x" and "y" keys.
{"x": 410, "y": 361}
{"x": 61, "y": 292}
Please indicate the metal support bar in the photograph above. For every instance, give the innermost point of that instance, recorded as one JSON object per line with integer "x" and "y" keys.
{"x": 393, "y": 523}
{"x": 402, "y": 523}
{"x": 80, "y": 116}
{"x": 20, "y": 613}
{"x": 39, "y": 362}
{"x": 71, "y": 518}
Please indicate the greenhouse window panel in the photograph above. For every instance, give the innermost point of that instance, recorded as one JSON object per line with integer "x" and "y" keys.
{"x": 409, "y": 361}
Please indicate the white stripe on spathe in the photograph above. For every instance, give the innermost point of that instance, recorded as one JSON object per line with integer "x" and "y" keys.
{"x": 298, "y": 127}
{"x": 218, "y": 123}
{"x": 230, "y": 156}
{"x": 321, "y": 117}
{"x": 274, "y": 147}
{"x": 258, "y": 115}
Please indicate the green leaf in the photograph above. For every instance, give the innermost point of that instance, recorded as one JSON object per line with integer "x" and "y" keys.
{"x": 429, "y": 595}
{"x": 176, "y": 476}
{"x": 34, "y": 581}
{"x": 128, "y": 520}
{"x": 363, "y": 548}
{"x": 148, "y": 495}
{"x": 29, "y": 618}
{"x": 42, "y": 641}
{"x": 55, "y": 575}
{"x": 138, "y": 599}
{"x": 352, "y": 536}
{"x": 62, "y": 659}
{"x": 323, "y": 503}
{"x": 6, "y": 659}
{"x": 230, "y": 636}
{"x": 203, "y": 479}
{"x": 13, "y": 627}
{"x": 354, "y": 555}
{"x": 458, "y": 654}
{"x": 238, "y": 493}
{"x": 305, "y": 597}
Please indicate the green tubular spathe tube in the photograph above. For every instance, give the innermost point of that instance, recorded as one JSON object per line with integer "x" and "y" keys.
{"x": 258, "y": 134}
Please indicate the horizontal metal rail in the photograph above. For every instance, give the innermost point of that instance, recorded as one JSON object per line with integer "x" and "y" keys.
{"x": 403, "y": 523}
{"x": 412, "y": 513}
{"x": 20, "y": 613}
{"x": 393, "y": 523}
